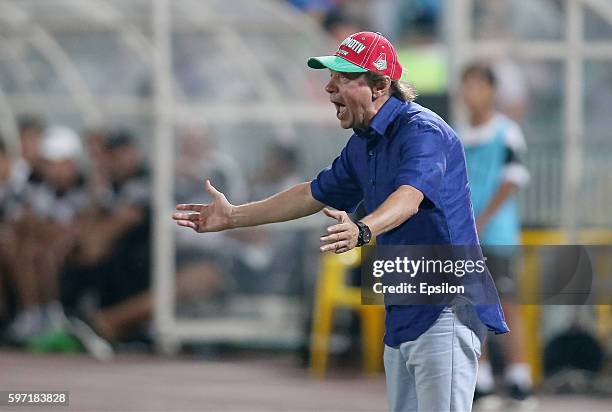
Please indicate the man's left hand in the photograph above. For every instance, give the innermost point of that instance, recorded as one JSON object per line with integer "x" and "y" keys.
{"x": 341, "y": 237}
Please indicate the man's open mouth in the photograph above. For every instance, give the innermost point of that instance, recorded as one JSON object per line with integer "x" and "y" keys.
{"x": 340, "y": 109}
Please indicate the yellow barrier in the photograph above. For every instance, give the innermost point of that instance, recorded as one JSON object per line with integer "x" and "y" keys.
{"x": 332, "y": 293}
{"x": 528, "y": 286}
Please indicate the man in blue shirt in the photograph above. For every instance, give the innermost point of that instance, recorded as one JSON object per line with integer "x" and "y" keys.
{"x": 408, "y": 167}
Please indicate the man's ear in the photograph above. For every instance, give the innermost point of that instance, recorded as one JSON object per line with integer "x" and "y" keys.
{"x": 381, "y": 88}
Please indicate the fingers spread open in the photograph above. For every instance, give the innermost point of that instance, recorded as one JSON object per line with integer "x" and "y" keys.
{"x": 342, "y": 227}
{"x": 335, "y": 214}
{"x": 194, "y": 207}
{"x": 194, "y": 217}
{"x": 335, "y": 237}
{"x": 335, "y": 246}
{"x": 187, "y": 223}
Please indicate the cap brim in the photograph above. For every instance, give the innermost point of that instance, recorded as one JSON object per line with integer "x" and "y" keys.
{"x": 334, "y": 63}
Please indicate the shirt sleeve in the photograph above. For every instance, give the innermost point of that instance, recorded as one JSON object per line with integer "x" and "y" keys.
{"x": 514, "y": 169}
{"x": 337, "y": 185}
{"x": 423, "y": 161}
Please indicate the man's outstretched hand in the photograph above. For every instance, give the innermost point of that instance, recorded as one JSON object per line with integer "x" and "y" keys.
{"x": 341, "y": 237}
{"x": 211, "y": 217}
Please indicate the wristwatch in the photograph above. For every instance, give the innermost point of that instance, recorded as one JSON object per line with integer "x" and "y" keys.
{"x": 365, "y": 234}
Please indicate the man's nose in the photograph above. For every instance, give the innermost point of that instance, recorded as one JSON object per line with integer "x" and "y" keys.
{"x": 330, "y": 87}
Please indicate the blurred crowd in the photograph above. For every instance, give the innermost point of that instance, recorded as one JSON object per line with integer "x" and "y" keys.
{"x": 75, "y": 233}
{"x": 399, "y": 18}
{"x": 74, "y": 218}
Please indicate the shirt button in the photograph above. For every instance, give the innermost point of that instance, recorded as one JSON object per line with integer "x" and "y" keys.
{"x": 371, "y": 152}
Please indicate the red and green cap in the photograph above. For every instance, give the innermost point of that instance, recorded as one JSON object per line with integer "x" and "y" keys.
{"x": 362, "y": 52}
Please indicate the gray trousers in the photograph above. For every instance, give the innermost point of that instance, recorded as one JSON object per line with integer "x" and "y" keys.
{"x": 437, "y": 371}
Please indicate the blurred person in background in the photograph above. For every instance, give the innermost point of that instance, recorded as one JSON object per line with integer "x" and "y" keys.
{"x": 106, "y": 288}
{"x": 9, "y": 212}
{"x": 494, "y": 148}
{"x": 232, "y": 262}
{"x": 198, "y": 153}
{"x": 204, "y": 263}
{"x": 125, "y": 307}
{"x": 422, "y": 50}
{"x": 98, "y": 173}
{"x": 28, "y": 168}
{"x": 340, "y": 24}
{"x": 317, "y": 9}
{"x": 279, "y": 171}
{"x": 112, "y": 261}
{"x": 47, "y": 232}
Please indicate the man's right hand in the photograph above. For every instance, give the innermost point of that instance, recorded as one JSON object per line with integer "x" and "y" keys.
{"x": 211, "y": 217}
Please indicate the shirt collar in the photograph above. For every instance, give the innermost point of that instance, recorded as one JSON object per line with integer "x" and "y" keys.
{"x": 383, "y": 119}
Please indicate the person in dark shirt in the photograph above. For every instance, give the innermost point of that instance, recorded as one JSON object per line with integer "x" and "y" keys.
{"x": 9, "y": 210}
{"x": 28, "y": 168}
{"x": 112, "y": 261}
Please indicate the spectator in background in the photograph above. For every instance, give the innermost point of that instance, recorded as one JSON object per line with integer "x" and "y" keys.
{"x": 279, "y": 171}
{"x": 113, "y": 259}
{"x": 98, "y": 175}
{"x": 494, "y": 146}
{"x": 9, "y": 210}
{"x": 28, "y": 168}
{"x": 317, "y": 9}
{"x": 47, "y": 232}
{"x": 198, "y": 154}
{"x": 61, "y": 195}
{"x": 423, "y": 15}
{"x": 209, "y": 262}
{"x": 339, "y": 24}
{"x": 427, "y": 58}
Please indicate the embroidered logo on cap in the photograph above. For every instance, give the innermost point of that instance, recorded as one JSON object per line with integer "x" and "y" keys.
{"x": 381, "y": 62}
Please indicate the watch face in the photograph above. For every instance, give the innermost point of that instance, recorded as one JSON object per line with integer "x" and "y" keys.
{"x": 366, "y": 235}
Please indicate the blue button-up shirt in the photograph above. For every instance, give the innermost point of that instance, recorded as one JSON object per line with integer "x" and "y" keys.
{"x": 407, "y": 144}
